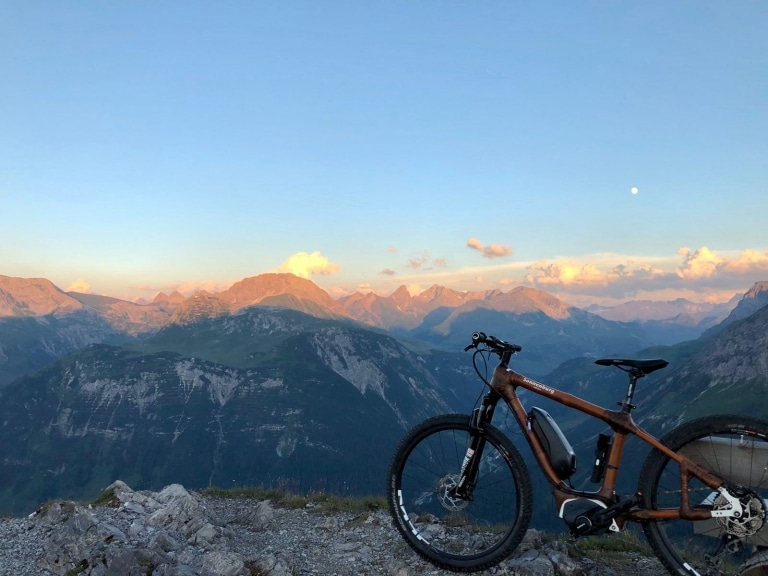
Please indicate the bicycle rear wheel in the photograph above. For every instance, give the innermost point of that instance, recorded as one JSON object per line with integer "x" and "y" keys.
{"x": 734, "y": 448}
{"x": 459, "y": 535}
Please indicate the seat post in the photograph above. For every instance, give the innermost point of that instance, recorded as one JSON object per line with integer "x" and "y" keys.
{"x": 627, "y": 405}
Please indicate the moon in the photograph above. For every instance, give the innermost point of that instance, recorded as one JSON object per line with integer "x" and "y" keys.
{"x": 634, "y": 190}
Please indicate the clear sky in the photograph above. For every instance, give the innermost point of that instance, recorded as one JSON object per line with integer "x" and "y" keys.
{"x": 148, "y": 146}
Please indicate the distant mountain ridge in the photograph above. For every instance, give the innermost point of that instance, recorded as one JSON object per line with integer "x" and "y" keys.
{"x": 276, "y": 290}
{"x": 399, "y": 311}
{"x": 24, "y": 297}
{"x": 402, "y": 311}
{"x": 672, "y": 321}
{"x": 754, "y": 299}
{"x": 644, "y": 310}
{"x": 551, "y": 330}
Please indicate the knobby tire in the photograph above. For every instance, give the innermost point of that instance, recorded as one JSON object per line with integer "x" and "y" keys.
{"x": 734, "y": 448}
{"x": 458, "y": 535}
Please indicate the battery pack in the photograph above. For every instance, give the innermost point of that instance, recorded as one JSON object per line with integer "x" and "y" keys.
{"x": 556, "y": 445}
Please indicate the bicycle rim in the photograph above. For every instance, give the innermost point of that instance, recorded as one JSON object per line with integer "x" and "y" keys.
{"x": 461, "y": 535}
{"x": 735, "y": 449}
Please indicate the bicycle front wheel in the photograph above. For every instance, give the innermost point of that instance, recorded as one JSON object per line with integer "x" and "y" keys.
{"x": 462, "y": 535}
{"x": 734, "y": 448}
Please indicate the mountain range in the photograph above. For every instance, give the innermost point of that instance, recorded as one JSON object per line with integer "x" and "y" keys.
{"x": 41, "y": 322}
{"x": 272, "y": 382}
{"x": 672, "y": 321}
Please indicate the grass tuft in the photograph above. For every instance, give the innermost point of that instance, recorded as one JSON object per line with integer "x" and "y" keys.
{"x": 108, "y": 499}
{"x": 622, "y": 542}
{"x": 317, "y": 501}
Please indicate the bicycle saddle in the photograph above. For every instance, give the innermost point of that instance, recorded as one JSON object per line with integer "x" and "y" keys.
{"x": 644, "y": 366}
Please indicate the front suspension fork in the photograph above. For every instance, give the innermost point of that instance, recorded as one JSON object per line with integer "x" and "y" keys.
{"x": 481, "y": 417}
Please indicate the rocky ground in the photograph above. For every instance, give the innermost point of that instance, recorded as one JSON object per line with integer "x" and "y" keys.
{"x": 179, "y": 533}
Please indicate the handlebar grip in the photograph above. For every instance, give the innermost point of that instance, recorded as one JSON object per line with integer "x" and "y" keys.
{"x": 478, "y": 337}
{"x": 493, "y": 342}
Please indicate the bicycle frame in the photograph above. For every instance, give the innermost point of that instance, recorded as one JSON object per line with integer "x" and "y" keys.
{"x": 504, "y": 384}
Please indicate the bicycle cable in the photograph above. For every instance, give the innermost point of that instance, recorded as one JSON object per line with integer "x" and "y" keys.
{"x": 482, "y": 352}
{"x": 485, "y": 354}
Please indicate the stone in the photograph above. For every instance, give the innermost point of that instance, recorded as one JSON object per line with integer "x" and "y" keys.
{"x": 532, "y": 563}
{"x": 176, "y": 532}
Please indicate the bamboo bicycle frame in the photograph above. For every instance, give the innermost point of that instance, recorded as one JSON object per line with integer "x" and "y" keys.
{"x": 505, "y": 383}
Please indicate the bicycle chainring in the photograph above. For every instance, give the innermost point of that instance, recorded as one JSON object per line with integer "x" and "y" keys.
{"x": 445, "y": 490}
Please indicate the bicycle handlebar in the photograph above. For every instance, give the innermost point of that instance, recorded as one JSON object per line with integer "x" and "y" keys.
{"x": 493, "y": 343}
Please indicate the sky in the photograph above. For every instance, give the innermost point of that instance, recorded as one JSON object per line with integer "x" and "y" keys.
{"x": 600, "y": 151}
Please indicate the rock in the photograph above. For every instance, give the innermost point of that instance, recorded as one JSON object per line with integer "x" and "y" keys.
{"x": 532, "y": 563}
{"x": 176, "y": 532}
{"x": 273, "y": 565}
{"x": 564, "y": 564}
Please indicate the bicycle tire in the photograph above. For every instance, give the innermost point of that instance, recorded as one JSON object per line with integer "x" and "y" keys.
{"x": 458, "y": 535}
{"x": 734, "y": 448}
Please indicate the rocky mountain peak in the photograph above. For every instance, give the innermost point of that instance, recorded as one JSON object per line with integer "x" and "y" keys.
{"x": 401, "y": 297}
{"x": 523, "y": 299}
{"x": 175, "y": 297}
{"x": 759, "y": 291}
{"x": 198, "y": 307}
{"x": 254, "y": 290}
{"x": 33, "y": 297}
{"x": 272, "y": 289}
{"x": 440, "y": 296}
{"x": 754, "y": 299}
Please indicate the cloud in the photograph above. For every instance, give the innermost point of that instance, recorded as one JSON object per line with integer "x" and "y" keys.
{"x": 305, "y": 265}
{"x": 706, "y": 263}
{"x": 699, "y": 264}
{"x": 418, "y": 262}
{"x": 475, "y": 244}
{"x": 701, "y": 271}
{"x": 392, "y": 249}
{"x": 490, "y": 251}
{"x": 570, "y": 273}
{"x": 423, "y": 262}
{"x": 80, "y": 286}
{"x": 414, "y": 289}
{"x": 388, "y": 272}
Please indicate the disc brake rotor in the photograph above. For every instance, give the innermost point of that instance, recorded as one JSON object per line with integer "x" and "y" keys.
{"x": 750, "y": 521}
{"x": 444, "y": 489}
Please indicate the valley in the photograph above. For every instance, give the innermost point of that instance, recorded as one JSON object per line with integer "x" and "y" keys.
{"x": 273, "y": 383}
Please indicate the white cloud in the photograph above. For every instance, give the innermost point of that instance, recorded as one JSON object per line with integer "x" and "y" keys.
{"x": 305, "y": 265}
{"x": 414, "y": 289}
{"x": 491, "y": 251}
{"x": 80, "y": 286}
{"x": 699, "y": 264}
{"x": 706, "y": 263}
{"x": 702, "y": 271}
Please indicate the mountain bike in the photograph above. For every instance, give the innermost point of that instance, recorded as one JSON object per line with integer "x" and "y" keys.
{"x": 461, "y": 495}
